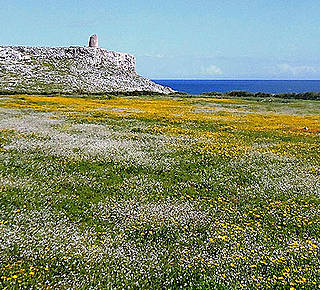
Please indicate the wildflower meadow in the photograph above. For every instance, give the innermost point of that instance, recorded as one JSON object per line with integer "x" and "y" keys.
{"x": 159, "y": 192}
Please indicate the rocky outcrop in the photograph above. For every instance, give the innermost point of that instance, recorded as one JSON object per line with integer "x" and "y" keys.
{"x": 70, "y": 70}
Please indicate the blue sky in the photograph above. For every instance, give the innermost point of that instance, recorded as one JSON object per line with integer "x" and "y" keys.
{"x": 199, "y": 39}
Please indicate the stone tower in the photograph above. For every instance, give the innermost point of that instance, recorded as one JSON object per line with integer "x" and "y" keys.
{"x": 93, "y": 42}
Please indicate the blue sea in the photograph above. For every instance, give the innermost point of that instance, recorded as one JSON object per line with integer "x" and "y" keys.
{"x": 254, "y": 86}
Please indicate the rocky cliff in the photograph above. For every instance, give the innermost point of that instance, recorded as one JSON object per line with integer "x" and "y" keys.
{"x": 70, "y": 70}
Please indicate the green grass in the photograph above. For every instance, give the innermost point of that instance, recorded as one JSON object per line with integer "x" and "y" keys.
{"x": 109, "y": 202}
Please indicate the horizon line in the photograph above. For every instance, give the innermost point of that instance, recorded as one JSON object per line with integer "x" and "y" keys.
{"x": 191, "y": 79}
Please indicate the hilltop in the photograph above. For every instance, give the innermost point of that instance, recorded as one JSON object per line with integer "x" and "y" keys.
{"x": 70, "y": 70}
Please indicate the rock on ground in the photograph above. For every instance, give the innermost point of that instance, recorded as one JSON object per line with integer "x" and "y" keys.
{"x": 70, "y": 70}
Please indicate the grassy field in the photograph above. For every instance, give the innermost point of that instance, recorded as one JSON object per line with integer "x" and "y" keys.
{"x": 159, "y": 192}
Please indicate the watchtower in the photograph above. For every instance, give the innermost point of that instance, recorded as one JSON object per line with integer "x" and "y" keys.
{"x": 93, "y": 41}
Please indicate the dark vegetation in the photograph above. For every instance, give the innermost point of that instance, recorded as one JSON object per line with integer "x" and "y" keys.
{"x": 240, "y": 94}
{"x": 246, "y": 94}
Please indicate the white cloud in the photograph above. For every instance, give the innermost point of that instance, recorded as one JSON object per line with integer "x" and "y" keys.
{"x": 211, "y": 70}
{"x": 295, "y": 70}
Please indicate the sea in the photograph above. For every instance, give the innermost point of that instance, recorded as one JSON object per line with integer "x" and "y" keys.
{"x": 254, "y": 86}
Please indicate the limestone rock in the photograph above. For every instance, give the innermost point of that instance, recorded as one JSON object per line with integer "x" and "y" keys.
{"x": 70, "y": 70}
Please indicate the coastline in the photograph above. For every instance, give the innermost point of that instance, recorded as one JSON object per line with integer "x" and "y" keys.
{"x": 194, "y": 86}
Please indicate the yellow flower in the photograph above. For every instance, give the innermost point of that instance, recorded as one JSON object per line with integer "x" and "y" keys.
{"x": 302, "y": 280}
{"x": 224, "y": 238}
{"x": 263, "y": 262}
{"x": 31, "y": 273}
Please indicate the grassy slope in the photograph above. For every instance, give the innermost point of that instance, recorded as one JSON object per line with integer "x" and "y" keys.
{"x": 159, "y": 192}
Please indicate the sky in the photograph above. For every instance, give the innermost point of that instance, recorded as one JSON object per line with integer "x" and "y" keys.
{"x": 176, "y": 39}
